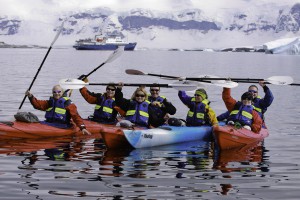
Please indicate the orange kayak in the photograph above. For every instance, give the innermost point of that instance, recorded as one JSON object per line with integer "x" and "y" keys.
{"x": 17, "y": 129}
{"x": 229, "y": 137}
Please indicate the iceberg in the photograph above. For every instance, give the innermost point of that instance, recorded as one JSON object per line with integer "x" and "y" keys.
{"x": 289, "y": 46}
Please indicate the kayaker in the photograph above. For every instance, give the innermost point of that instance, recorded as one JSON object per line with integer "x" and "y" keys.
{"x": 138, "y": 109}
{"x": 59, "y": 110}
{"x": 200, "y": 113}
{"x": 163, "y": 108}
{"x": 261, "y": 104}
{"x": 105, "y": 111}
{"x": 242, "y": 112}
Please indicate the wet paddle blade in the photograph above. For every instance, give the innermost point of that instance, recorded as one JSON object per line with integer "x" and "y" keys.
{"x": 280, "y": 80}
{"x": 183, "y": 86}
{"x": 72, "y": 84}
{"x": 115, "y": 54}
{"x": 134, "y": 72}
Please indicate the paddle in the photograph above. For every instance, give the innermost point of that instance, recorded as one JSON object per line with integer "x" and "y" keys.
{"x": 207, "y": 80}
{"x": 77, "y": 84}
{"x": 39, "y": 69}
{"x": 276, "y": 80}
{"x": 115, "y": 54}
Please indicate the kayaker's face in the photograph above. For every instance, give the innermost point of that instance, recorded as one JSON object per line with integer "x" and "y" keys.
{"x": 140, "y": 97}
{"x": 57, "y": 92}
{"x": 110, "y": 91}
{"x": 198, "y": 98}
{"x": 154, "y": 91}
{"x": 253, "y": 91}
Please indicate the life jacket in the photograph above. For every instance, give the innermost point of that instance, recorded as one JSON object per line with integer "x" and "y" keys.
{"x": 138, "y": 113}
{"x": 56, "y": 113}
{"x": 258, "y": 108}
{"x": 157, "y": 110}
{"x": 104, "y": 109}
{"x": 242, "y": 114}
{"x": 197, "y": 115}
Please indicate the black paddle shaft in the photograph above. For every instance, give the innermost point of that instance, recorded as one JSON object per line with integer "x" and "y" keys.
{"x": 38, "y": 71}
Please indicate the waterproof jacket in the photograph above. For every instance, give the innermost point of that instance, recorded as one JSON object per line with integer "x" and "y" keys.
{"x": 126, "y": 105}
{"x": 71, "y": 109}
{"x": 230, "y": 105}
{"x": 199, "y": 113}
{"x": 105, "y": 107}
{"x": 165, "y": 107}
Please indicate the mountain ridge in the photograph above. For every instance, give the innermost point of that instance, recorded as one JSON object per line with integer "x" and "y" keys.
{"x": 187, "y": 28}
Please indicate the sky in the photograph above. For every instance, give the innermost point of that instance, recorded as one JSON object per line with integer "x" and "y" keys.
{"x": 41, "y": 9}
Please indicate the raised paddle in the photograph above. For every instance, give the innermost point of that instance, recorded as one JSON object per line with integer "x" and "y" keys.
{"x": 275, "y": 80}
{"x": 45, "y": 57}
{"x": 114, "y": 55}
{"x": 207, "y": 80}
{"x": 77, "y": 84}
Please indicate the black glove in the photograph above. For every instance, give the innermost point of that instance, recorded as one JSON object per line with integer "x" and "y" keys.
{"x": 82, "y": 77}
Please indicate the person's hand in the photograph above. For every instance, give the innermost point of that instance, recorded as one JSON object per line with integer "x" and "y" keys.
{"x": 262, "y": 83}
{"x": 28, "y": 93}
{"x": 82, "y": 77}
{"x": 230, "y": 123}
{"x": 156, "y": 103}
{"x": 247, "y": 127}
{"x": 85, "y": 132}
{"x": 120, "y": 85}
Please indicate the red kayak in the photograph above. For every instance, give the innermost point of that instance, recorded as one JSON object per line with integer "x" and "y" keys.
{"x": 229, "y": 137}
{"x": 17, "y": 129}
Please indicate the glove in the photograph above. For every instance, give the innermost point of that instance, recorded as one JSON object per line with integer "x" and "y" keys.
{"x": 82, "y": 77}
{"x": 247, "y": 127}
{"x": 156, "y": 103}
{"x": 230, "y": 123}
{"x": 237, "y": 125}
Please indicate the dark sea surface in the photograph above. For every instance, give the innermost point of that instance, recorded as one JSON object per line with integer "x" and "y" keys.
{"x": 82, "y": 168}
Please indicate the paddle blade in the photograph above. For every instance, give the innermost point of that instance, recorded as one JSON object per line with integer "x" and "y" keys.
{"x": 183, "y": 86}
{"x": 225, "y": 84}
{"x": 72, "y": 84}
{"x": 116, "y": 53}
{"x": 58, "y": 32}
{"x": 280, "y": 80}
{"x": 134, "y": 72}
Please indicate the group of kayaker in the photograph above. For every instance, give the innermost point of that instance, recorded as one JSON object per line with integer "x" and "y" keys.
{"x": 153, "y": 110}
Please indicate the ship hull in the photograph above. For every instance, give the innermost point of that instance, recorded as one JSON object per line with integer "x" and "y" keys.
{"x": 105, "y": 47}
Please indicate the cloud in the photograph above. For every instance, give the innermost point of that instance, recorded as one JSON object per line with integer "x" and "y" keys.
{"x": 42, "y": 9}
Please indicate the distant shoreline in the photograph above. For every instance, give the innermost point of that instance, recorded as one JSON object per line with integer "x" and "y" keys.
{"x": 4, "y": 45}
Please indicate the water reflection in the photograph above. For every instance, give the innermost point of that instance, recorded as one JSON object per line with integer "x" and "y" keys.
{"x": 247, "y": 161}
{"x": 57, "y": 163}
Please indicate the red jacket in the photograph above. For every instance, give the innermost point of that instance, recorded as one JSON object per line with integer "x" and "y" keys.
{"x": 230, "y": 103}
{"x": 72, "y": 109}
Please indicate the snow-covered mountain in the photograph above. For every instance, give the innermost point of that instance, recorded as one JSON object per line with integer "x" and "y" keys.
{"x": 186, "y": 29}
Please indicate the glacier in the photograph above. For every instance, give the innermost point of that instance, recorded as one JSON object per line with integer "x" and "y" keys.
{"x": 290, "y": 46}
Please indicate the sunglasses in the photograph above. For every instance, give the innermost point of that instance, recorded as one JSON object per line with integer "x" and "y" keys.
{"x": 196, "y": 95}
{"x": 154, "y": 90}
{"x": 56, "y": 91}
{"x": 139, "y": 95}
{"x": 252, "y": 91}
{"x": 111, "y": 89}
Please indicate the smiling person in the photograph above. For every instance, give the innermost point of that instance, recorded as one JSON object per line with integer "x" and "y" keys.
{"x": 200, "y": 113}
{"x": 163, "y": 108}
{"x": 261, "y": 104}
{"x": 138, "y": 109}
{"x": 59, "y": 110}
{"x": 242, "y": 112}
{"x": 105, "y": 109}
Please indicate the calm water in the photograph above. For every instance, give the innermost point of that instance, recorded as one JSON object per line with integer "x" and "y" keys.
{"x": 73, "y": 168}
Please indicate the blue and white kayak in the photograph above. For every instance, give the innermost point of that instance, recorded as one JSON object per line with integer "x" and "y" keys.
{"x": 166, "y": 135}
